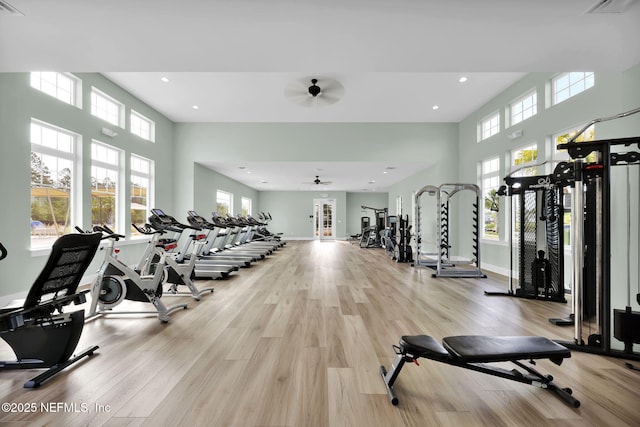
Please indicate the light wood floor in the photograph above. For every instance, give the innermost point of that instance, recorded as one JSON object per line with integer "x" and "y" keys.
{"x": 297, "y": 339}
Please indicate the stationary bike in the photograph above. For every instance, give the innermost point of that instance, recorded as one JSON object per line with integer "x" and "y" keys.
{"x": 176, "y": 272}
{"x": 116, "y": 282}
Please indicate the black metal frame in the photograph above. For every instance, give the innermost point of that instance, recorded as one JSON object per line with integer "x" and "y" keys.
{"x": 530, "y": 375}
{"x": 588, "y": 174}
{"x": 39, "y": 333}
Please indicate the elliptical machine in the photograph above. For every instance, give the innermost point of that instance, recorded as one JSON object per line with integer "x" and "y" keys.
{"x": 116, "y": 282}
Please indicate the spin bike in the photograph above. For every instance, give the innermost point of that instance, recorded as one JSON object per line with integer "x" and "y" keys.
{"x": 176, "y": 272}
{"x": 116, "y": 282}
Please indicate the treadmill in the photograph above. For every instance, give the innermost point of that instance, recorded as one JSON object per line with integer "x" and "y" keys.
{"x": 208, "y": 252}
{"x": 209, "y": 270}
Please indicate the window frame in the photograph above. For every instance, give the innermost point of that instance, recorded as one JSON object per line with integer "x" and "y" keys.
{"x": 534, "y": 107}
{"x": 244, "y": 199}
{"x": 36, "y": 80}
{"x": 70, "y": 156}
{"x": 95, "y": 92}
{"x": 484, "y": 176}
{"x": 587, "y": 76}
{"x": 151, "y": 124}
{"x": 227, "y": 196}
{"x": 525, "y": 168}
{"x": 149, "y": 176}
{"x": 119, "y": 189}
{"x": 486, "y": 123}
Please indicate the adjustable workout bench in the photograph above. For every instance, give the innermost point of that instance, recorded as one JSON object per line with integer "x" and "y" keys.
{"x": 475, "y": 351}
{"x": 39, "y": 333}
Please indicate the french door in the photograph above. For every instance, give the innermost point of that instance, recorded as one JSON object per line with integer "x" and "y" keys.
{"x": 324, "y": 224}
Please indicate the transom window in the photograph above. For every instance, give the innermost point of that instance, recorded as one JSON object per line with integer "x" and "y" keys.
{"x": 52, "y": 175}
{"x": 105, "y": 180}
{"x": 142, "y": 126}
{"x": 141, "y": 191}
{"x": 524, "y": 108}
{"x": 106, "y": 108}
{"x": 570, "y": 84}
{"x": 224, "y": 203}
{"x": 62, "y": 86}
{"x": 490, "y": 178}
{"x": 489, "y": 127}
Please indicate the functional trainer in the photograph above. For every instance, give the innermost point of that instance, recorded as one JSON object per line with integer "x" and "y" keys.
{"x": 475, "y": 352}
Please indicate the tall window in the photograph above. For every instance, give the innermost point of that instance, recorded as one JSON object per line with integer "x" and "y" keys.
{"x": 490, "y": 175}
{"x": 105, "y": 180}
{"x": 63, "y": 86}
{"x": 567, "y": 85}
{"x": 142, "y": 126}
{"x": 523, "y": 108}
{"x": 562, "y": 155}
{"x": 489, "y": 127}
{"x": 224, "y": 203}
{"x": 246, "y": 206}
{"x": 106, "y": 108}
{"x": 52, "y": 169}
{"x": 141, "y": 188}
{"x": 524, "y": 160}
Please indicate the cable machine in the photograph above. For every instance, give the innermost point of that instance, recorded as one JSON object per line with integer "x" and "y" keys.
{"x": 594, "y": 290}
{"x": 536, "y": 237}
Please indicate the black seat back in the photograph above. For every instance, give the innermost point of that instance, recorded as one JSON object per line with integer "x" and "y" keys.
{"x": 70, "y": 257}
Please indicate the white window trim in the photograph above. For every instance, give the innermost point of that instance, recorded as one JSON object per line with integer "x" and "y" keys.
{"x": 76, "y": 95}
{"x": 509, "y": 116}
{"x": 554, "y": 79}
{"x": 152, "y": 126}
{"x": 481, "y": 123}
{"x": 484, "y": 175}
{"x": 226, "y": 193}
{"x": 150, "y": 189}
{"x": 121, "y": 107}
{"x": 76, "y": 178}
{"x": 120, "y": 189}
{"x": 522, "y": 166}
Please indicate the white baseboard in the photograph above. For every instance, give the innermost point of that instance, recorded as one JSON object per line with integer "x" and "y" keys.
{"x": 495, "y": 269}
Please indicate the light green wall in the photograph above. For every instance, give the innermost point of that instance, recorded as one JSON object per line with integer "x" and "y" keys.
{"x": 206, "y": 185}
{"x": 18, "y": 104}
{"x": 433, "y": 143}
{"x": 355, "y": 201}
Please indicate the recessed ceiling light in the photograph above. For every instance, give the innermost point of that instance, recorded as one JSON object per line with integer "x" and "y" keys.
{"x": 195, "y": 107}
{"x": 463, "y": 79}
{"x": 242, "y": 167}
{"x": 391, "y": 168}
{"x": 165, "y": 79}
{"x": 249, "y": 172}
{"x": 385, "y": 172}
{"x": 264, "y": 182}
{"x": 372, "y": 182}
{"x": 435, "y": 107}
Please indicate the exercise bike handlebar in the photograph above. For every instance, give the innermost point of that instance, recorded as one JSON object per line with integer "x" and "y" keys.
{"x": 147, "y": 229}
{"x": 109, "y": 234}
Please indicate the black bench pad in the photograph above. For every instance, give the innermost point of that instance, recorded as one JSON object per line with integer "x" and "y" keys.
{"x": 424, "y": 346}
{"x": 480, "y": 348}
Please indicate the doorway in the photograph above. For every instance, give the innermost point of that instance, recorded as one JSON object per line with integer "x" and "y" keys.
{"x": 324, "y": 224}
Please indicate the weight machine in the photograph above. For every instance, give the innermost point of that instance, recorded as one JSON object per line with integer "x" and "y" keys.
{"x": 444, "y": 263}
{"x": 371, "y": 235}
{"x": 592, "y": 231}
{"x": 536, "y": 237}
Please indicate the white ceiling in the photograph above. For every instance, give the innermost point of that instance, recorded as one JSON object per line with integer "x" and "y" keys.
{"x": 395, "y": 59}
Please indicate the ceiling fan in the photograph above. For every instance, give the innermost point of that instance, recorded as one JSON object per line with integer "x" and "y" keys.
{"x": 314, "y": 92}
{"x": 318, "y": 181}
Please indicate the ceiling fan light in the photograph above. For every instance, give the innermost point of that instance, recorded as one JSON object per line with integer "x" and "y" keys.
{"x": 313, "y": 89}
